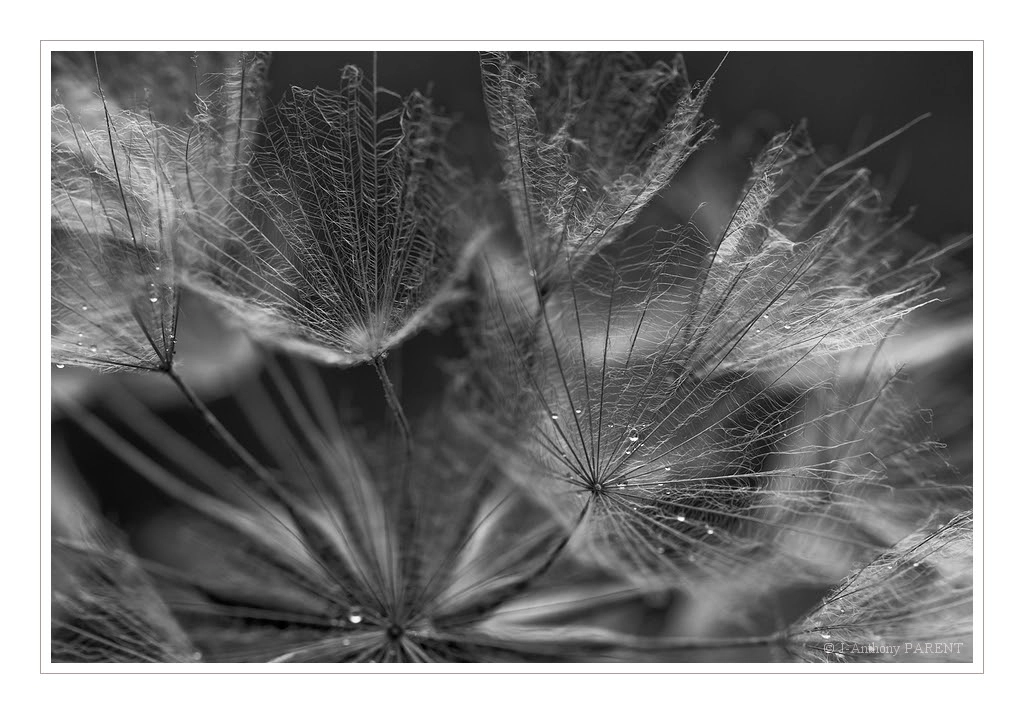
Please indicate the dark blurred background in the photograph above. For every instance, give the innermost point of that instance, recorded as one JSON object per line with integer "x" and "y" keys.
{"x": 849, "y": 99}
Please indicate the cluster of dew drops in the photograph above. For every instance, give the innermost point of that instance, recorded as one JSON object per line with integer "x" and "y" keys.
{"x": 154, "y": 298}
{"x": 633, "y": 437}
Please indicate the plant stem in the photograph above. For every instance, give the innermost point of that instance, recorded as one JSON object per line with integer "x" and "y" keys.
{"x": 524, "y": 583}
{"x": 220, "y": 431}
{"x": 392, "y": 400}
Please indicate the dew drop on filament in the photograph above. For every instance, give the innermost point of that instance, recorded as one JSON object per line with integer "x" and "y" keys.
{"x": 633, "y": 435}
{"x": 554, "y": 417}
{"x": 355, "y": 615}
{"x": 59, "y": 366}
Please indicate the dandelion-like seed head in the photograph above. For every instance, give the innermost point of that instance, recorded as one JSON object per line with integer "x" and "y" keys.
{"x": 115, "y": 225}
{"x": 344, "y": 243}
{"x": 359, "y": 552}
{"x": 661, "y": 387}
{"x": 587, "y": 140}
{"x": 897, "y": 606}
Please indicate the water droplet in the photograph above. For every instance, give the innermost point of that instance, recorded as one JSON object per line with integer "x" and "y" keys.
{"x": 633, "y": 435}
{"x": 917, "y": 565}
{"x": 533, "y": 273}
{"x": 584, "y": 189}
{"x": 579, "y": 411}
{"x": 826, "y": 636}
{"x": 355, "y": 615}
{"x": 668, "y": 468}
{"x": 94, "y": 348}
{"x": 787, "y": 327}
{"x": 154, "y": 299}
{"x": 681, "y": 519}
{"x": 889, "y": 567}
{"x": 79, "y": 344}
{"x": 710, "y": 531}
{"x": 157, "y": 268}
{"x": 554, "y": 417}
{"x": 85, "y": 307}
{"x": 60, "y": 366}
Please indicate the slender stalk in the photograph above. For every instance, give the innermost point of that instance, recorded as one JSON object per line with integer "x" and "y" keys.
{"x": 219, "y": 430}
{"x": 392, "y": 399}
{"x": 524, "y": 583}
